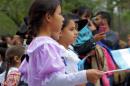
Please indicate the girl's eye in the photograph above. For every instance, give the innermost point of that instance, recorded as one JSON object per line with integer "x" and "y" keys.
{"x": 72, "y": 29}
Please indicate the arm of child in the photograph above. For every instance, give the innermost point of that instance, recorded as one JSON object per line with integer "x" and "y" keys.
{"x": 73, "y": 79}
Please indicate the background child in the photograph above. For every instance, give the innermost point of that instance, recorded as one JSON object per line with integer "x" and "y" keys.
{"x": 13, "y": 58}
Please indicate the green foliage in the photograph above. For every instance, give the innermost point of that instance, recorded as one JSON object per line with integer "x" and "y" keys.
{"x": 7, "y": 26}
{"x": 69, "y": 5}
{"x": 12, "y": 12}
{"x": 15, "y": 9}
{"x": 126, "y": 15}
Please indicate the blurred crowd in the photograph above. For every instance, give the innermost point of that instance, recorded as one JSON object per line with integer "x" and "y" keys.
{"x": 93, "y": 30}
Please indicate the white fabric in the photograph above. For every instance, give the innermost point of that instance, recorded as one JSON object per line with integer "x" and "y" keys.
{"x": 73, "y": 76}
{"x": 71, "y": 60}
{"x": 2, "y": 76}
{"x": 71, "y": 79}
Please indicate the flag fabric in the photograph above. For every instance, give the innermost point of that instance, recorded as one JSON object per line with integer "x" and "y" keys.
{"x": 122, "y": 58}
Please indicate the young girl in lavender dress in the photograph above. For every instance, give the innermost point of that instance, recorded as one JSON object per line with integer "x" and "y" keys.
{"x": 45, "y": 66}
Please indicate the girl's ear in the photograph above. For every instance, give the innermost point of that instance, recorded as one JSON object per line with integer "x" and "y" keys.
{"x": 16, "y": 59}
{"x": 48, "y": 17}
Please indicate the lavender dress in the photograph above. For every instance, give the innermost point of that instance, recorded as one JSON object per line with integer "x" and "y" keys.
{"x": 45, "y": 66}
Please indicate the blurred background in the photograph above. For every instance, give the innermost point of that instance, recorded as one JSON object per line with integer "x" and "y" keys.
{"x": 12, "y": 13}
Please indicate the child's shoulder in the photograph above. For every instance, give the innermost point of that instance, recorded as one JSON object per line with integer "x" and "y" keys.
{"x": 13, "y": 77}
{"x": 13, "y": 71}
{"x": 43, "y": 42}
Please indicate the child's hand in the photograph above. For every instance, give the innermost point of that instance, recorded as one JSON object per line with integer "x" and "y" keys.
{"x": 93, "y": 75}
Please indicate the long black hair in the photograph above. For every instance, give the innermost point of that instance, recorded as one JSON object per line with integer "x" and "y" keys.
{"x": 36, "y": 15}
{"x": 67, "y": 18}
{"x": 84, "y": 10}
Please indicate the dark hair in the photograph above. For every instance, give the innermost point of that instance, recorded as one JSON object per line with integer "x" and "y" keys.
{"x": 2, "y": 57}
{"x": 2, "y": 53}
{"x": 67, "y": 18}
{"x": 10, "y": 54}
{"x": 66, "y": 21}
{"x": 23, "y": 28}
{"x": 13, "y": 51}
{"x": 105, "y": 15}
{"x": 3, "y": 45}
{"x": 37, "y": 13}
{"x": 85, "y": 10}
{"x": 5, "y": 36}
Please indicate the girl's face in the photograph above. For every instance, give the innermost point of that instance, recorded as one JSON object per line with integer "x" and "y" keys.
{"x": 69, "y": 33}
{"x": 98, "y": 20}
{"x": 9, "y": 40}
{"x": 17, "y": 40}
{"x": 56, "y": 23}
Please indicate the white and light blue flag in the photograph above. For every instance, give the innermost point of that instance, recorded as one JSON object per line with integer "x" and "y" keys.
{"x": 122, "y": 58}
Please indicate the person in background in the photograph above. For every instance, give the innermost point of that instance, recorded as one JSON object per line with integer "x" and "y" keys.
{"x": 103, "y": 22}
{"x": 122, "y": 44}
{"x": 86, "y": 40}
{"x": 17, "y": 40}
{"x": 13, "y": 58}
